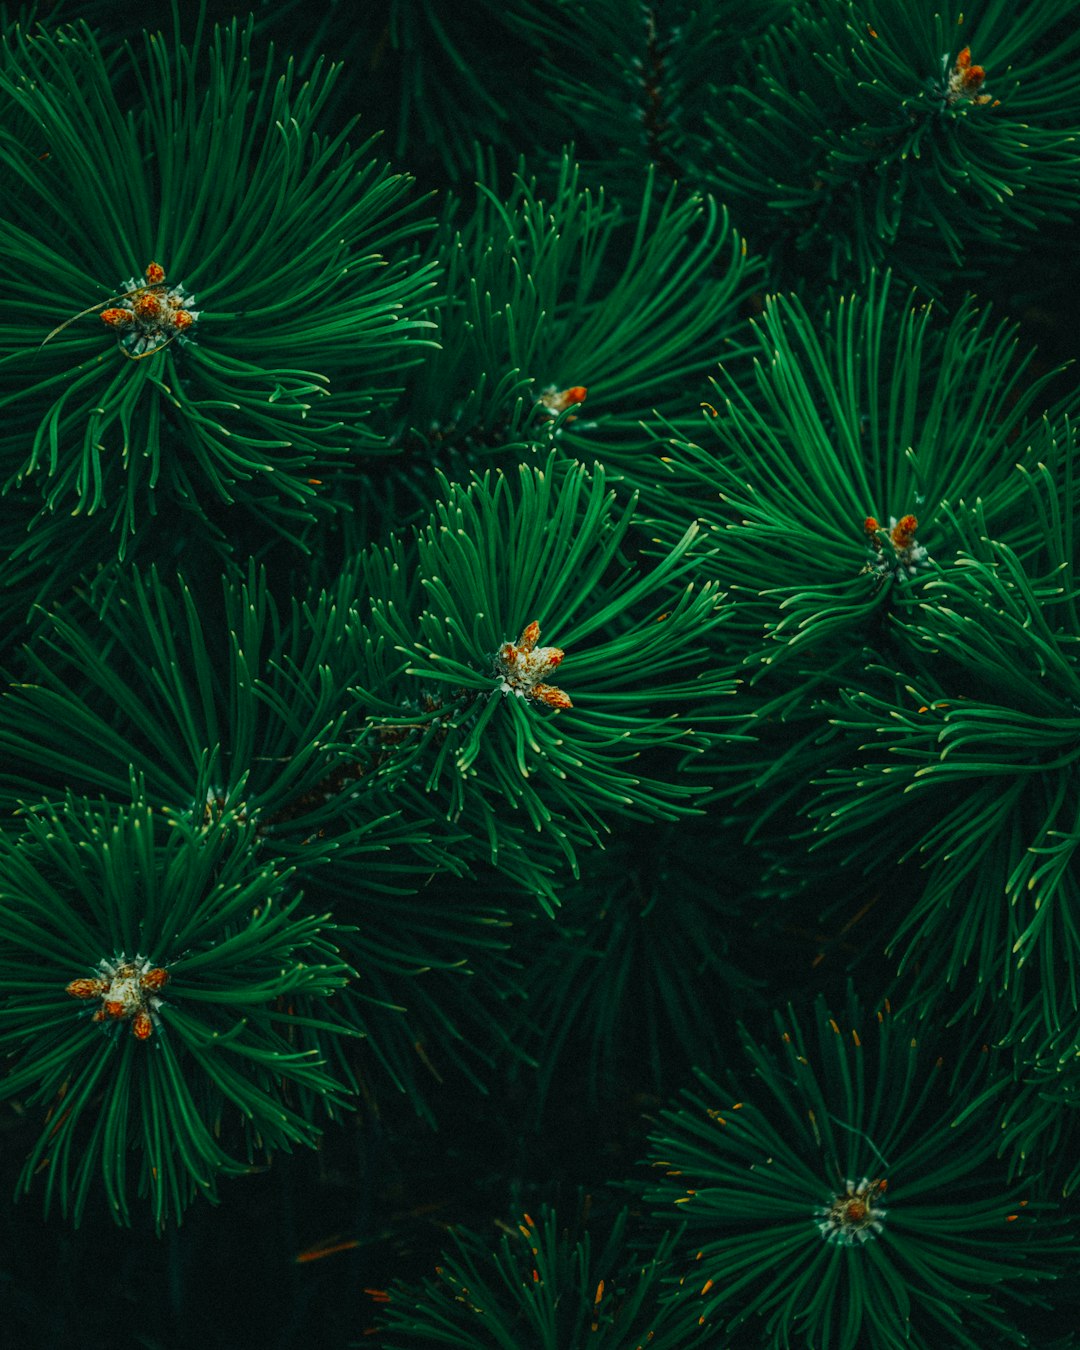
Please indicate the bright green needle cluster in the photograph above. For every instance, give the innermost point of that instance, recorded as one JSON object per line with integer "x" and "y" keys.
{"x": 228, "y": 1067}
{"x": 474, "y": 646}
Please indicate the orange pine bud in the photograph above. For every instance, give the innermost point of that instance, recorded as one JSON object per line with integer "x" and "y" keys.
{"x": 155, "y": 274}
{"x": 147, "y": 307}
{"x": 142, "y": 1026}
{"x": 972, "y": 78}
{"x": 547, "y": 693}
{"x": 86, "y": 988}
{"x": 530, "y": 636}
{"x": 558, "y": 400}
{"x": 154, "y": 979}
{"x": 965, "y": 81}
{"x": 116, "y": 318}
{"x": 903, "y": 532}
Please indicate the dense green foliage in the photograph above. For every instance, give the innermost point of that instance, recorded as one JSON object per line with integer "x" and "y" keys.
{"x": 537, "y": 550}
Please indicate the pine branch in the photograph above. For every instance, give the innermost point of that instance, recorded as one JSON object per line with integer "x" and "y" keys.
{"x": 162, "y": 999}
{"x": 206, "y": 187}
{"x": 846, "y": 1186}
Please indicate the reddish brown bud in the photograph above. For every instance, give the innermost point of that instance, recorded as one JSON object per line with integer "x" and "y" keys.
{"x": 547, "y": 693}
{"x": 86, "y": 988}
{"x": 903, "y": 532}
{"x": 147, "y": 306}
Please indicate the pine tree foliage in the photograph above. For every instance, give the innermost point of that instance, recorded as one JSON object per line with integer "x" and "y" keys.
{"x": 875, "y": 409}
{"x": 106, "y": 908}
{"x": 912, "y": 134}
{"x": 502, "y": 565}
{"x": 844, "y": 1193}
{"x": 244, "y": 714}
{"x": 893, "y": 660}
{"x": 982, "y": 743}
{"x": 649, "y": 971}
{"x": 436, "y": 721}
{"x": 906, "y": 135}
{"x": 251, "y": 722}
{"x": 538, "y": 1287}
{"x": 559, "y": 300}
{"x": 241, "y": 391}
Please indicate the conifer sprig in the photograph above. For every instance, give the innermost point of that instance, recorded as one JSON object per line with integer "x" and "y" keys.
{"x": 163, "y": 1004}
{"x": 845, "y": 1193}
{"x": 931, "y": 137}
{"x": 545, "y": 1285}
{"x": 508, "y": 561}
{"x": 243, "y": 352}
{"x": 237, "y": 711}
{"x": 829, "y": 466}
{"x": 970, "y": 764}
{"x": 560, "y": 301}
